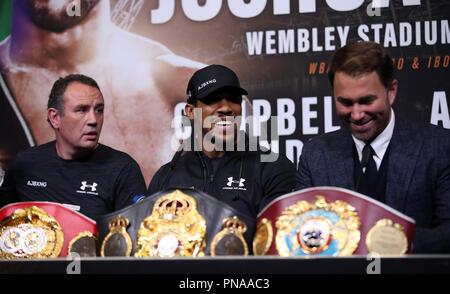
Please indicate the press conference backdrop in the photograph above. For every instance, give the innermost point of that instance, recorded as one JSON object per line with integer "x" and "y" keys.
{"x": 280, "y": 49}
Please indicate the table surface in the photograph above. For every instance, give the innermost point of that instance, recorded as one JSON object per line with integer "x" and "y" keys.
{"x": 239, "y": 265}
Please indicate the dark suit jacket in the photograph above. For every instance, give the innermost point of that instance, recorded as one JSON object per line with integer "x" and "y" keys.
{"x": 418, "y": 180}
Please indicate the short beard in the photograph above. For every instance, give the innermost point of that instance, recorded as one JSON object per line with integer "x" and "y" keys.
{"x": 59, "y": 21}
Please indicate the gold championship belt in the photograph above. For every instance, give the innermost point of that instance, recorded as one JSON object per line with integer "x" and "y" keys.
{"x": 230, "y": 240}
{"x": 174, "y": 228}
{"x": 176, "y": 222}
{"x": 84, "y": 244}
{"x": 117, "y": 242}
{"x": 305, "y": 228}
{"x": 30, "y": 232}
{"x": 45, "y": 229}
{"x": 333, "y": 222}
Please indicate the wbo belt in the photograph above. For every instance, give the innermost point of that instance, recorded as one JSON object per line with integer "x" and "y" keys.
{"x": 331, "y": 221}
{"x": 45, "y": 229}
{"x": 176, "y": 222}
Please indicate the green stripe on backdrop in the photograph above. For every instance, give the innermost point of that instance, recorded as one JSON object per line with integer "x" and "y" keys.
{"x": 5, "y": 18}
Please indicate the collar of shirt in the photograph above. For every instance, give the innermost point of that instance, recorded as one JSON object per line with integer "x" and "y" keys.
{"x": 379, "y": 144}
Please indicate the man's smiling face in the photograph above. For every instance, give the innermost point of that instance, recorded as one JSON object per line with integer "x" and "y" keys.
{"x": 363, "y": 104}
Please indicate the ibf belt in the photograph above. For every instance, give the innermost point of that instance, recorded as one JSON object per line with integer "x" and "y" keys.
{"x": 30, "y": 232}
{"x": 331, "y": 221}
{"x": 45, "y": 229}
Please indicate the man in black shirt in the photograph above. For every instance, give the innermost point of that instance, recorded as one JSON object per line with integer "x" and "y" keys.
{"x": 221, "y": 162}
{"x": 74, "y": 170}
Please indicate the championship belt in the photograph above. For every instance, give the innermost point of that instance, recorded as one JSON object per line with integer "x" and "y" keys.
{"x": 333, "y": 222}
{"x": 174, "y": 228}
{"x": 45, "y": 229}
{"x": 176, "y": 222}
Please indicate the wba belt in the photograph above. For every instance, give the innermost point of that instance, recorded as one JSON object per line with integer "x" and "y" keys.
{"x": 176, "y": 222}
{"x": 45, "y": 229}
{"x": 331, "y": 221}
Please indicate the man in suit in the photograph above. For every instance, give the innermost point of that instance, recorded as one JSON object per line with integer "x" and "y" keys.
{"x": 402, "y": 163}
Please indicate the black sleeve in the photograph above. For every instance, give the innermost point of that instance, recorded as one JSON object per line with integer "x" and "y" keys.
{"x": 303, "y": 176}
{"x": 278, "y": 178}
{"x": 130, "y": 183}
{"x": 8, "y": 189}
{"x": 436, "y": 239}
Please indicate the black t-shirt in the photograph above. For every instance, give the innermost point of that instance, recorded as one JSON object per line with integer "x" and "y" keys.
{"x": 104, "y": 181}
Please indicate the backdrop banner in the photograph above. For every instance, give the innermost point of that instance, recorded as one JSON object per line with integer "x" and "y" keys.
{"x": 142, "y": 54}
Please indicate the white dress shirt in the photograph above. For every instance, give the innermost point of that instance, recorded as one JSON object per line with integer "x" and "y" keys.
{"x": 379, "y": 144}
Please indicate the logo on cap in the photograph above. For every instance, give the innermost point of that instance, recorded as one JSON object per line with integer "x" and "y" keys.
{"x": 206, "y": 83}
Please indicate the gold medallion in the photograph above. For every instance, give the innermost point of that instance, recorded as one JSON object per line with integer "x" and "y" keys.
{"x": 85, "y": 244}
{"x": 175, "y": 228}
{"x": 386, "y": 238}
{"x": 263, "y": 237}
{"x": 321, "y": 228}
{"x": 230, "y": 240}
{"x": 30, "y": 233}
{"x": 117, "y": 242}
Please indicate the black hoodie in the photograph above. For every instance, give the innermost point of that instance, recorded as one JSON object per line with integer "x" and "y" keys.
{"x": 245, "y": 180}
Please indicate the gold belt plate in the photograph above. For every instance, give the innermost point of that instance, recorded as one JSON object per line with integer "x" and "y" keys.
{"x": 30, "y": 233}
{"x": 319, "y": 228}
{"x": 175, "y": 228}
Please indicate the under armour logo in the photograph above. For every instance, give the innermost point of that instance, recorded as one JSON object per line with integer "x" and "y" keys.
{"x": 84, "y": 185}
{"x": 231, "y": 182}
